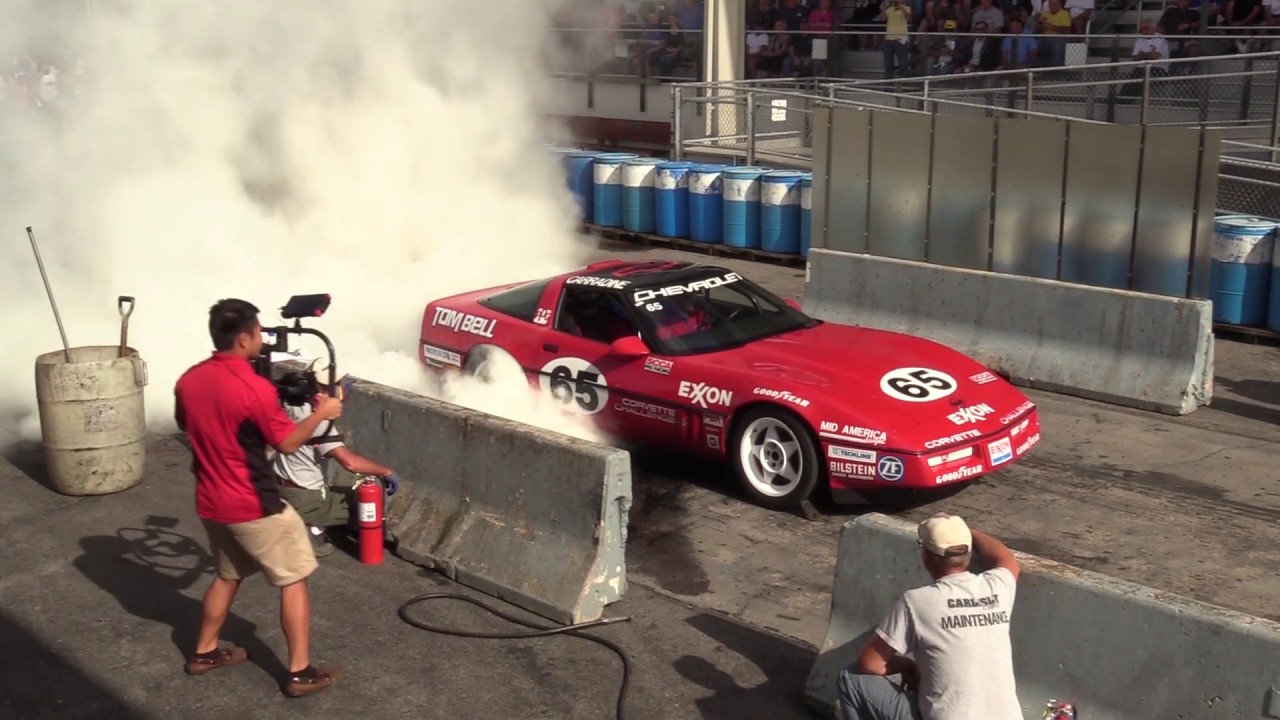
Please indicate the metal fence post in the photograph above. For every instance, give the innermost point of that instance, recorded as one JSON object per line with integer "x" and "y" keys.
{"x": 1146, "y": 92}
{"x": 677, "y": 134}
{"x": 1275, "y": 114}
{"x": 751, "y": 128}
{"x": 1030, "y": 88}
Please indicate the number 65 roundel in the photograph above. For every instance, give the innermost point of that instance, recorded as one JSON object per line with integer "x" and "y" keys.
{"x": 576, "y": 383}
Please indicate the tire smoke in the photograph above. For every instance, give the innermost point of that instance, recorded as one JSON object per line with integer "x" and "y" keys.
{"x": 387, "y": 152}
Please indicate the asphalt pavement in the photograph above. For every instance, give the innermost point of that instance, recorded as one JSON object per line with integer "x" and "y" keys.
{"x": 100, "y": 599}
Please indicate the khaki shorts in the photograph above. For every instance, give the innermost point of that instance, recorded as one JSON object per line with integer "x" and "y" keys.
{"x": 277, "y": 545}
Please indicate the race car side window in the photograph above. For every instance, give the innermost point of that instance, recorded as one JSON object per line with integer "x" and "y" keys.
{"x": 520, "y": 302}
{"x": 594, "y": 315}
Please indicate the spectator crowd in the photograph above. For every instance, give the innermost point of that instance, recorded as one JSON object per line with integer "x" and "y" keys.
{"x": 800, "y": 38}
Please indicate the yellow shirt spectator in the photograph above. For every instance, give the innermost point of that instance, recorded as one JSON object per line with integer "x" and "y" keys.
{"x": 897, "y": 20}
{"x": 1059, "y": 21}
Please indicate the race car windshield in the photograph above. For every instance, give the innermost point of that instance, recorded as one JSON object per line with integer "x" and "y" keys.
{"x": 713, "y": 313}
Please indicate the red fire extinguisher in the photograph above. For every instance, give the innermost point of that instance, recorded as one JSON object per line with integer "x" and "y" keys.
{"x": 370, "y": 511}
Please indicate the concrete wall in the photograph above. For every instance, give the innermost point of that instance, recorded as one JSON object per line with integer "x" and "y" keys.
{"x": 530, "y": 516}
{"x": 1124, "y": 651}
{"x": 1145, "y": 351}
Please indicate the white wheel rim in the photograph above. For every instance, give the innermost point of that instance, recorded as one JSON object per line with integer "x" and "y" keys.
{"x": 770, "y": 457}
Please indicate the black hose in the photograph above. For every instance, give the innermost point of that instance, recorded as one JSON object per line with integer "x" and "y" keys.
{"x": 538, "y": 631}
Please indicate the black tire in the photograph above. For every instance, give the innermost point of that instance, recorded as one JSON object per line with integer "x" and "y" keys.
{"x": 481, "y": 360}
{"x": 811, "y": 467}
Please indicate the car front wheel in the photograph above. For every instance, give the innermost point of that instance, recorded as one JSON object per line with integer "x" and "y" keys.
{"x": 775, "y": 458}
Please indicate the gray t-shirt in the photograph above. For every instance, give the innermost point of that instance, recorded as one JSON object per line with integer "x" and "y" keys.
{"x": 957, "y": 629}
{"x": 305, "y": 467}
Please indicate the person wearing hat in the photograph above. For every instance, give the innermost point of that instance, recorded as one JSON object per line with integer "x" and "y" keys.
{"x": 957, "y": 631}
{"x": 301, "y": 475}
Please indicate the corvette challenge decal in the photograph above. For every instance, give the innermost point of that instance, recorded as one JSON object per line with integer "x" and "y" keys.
{"x": 576, "y": 383}
{"x": 915, "y": 384}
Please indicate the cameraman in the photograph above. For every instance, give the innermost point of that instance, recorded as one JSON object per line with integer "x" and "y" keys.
{"x": 301, "y": 474}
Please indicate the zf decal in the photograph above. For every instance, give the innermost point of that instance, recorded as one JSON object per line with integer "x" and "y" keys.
{"x": 890, "y": 468}
{"x": 542, "y": 317}
{"x": 917, "y": 384}
{"x": 576, "y": 383}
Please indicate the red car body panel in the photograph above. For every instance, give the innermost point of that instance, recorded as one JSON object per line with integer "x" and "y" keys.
{"x": 886, "y": 409}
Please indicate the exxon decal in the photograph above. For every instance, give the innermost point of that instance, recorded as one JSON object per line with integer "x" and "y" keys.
{"x": 704, "y": 395}
{"x": 643, "y": 296}
{"x": 968, "y": 415}
{"x": 458, "y": 321}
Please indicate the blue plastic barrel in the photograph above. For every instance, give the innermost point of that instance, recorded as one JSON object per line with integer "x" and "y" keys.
{"x": 580, "y": 176}
{"x": 671, "y": 199}
{"x": 780, "y": 211}
{"x": 639, "y": 179}
{"x": 742, "y": 206}
{"x": 806, "y": 207}
{"x": 606, "y": 173}
{"x": 1240, "y": 273}
{"x": 706, "y": 204}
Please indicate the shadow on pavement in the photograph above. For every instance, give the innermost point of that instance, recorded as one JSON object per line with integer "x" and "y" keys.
{"x": 28, "y": 457}
{"x": 35, "y": 683}
{"x": 784, "y": 664}
{"x": 147, "y": 569}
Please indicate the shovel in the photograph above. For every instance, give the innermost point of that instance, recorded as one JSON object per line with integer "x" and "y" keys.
{"x": 124, "y": 321}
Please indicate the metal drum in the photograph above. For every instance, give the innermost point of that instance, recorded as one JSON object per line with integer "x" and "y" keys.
{"x": 1241, "y": 270}
{"x": 93, "y": 420}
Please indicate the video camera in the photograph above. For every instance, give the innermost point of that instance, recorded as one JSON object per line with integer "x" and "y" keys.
{"x": 298, "y": 307}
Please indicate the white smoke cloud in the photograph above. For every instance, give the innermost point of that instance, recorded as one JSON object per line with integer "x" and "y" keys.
{"x": 385, "y": 151}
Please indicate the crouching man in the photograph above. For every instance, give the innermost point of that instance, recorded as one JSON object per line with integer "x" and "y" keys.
{"x": 957, "y": 629}
{"x": 301, "y": 475}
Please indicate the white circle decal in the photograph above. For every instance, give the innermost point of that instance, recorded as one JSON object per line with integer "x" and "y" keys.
{"x": 576, "y": 383}
{"x": 917, "y": 384}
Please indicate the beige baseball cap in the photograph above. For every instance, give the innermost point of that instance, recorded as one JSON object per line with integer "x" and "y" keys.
{"x": 944, "y": 535}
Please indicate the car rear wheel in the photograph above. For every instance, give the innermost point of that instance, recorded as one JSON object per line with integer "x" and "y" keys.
{"x": 775, "y": 458}
{"x": 490, "y": 364}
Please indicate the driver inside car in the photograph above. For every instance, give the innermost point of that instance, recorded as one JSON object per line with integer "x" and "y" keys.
{"x": 681, "y": 315}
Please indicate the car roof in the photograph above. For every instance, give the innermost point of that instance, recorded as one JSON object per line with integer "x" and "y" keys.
{"x": 647, "y": 273}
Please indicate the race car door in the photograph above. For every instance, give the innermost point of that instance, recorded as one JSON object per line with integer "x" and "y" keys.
{"x": 618, "y": 392}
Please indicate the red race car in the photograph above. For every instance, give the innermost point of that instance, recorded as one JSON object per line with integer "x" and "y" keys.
{"x": 695, "y": 357}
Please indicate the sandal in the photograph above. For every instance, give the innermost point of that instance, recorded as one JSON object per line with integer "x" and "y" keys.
{"x": 310, "y": 680}
{"x": 202, "y": 663}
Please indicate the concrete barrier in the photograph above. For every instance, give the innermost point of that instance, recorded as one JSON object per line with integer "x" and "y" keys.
{"x": 530, "y": 516}
{"x": 1120, "y": 651}
{"x": 1145, "y": 351}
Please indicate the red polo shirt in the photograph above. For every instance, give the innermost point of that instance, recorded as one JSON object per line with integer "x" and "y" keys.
{"x": 231, "y": 415}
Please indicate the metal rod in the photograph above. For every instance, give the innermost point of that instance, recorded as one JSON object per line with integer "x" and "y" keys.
{"x": 66, "y": 346}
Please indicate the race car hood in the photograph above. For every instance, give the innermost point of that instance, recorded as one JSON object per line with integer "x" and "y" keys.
{"x": 885, "y": 381}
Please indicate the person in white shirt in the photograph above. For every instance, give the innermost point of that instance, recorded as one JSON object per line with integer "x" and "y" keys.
{"x": 301, "y": 475}
{"x": 957, "y": 631}
{"x": 1151, "y": 46}
{"x": 757, "y": 39}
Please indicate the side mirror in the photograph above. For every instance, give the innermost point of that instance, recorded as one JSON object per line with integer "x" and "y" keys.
{"x": 794, "y": 305}
{"x": 629, "y": 346}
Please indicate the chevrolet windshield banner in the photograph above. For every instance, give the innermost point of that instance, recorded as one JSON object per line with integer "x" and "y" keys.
{"x": 642, "y": 297}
